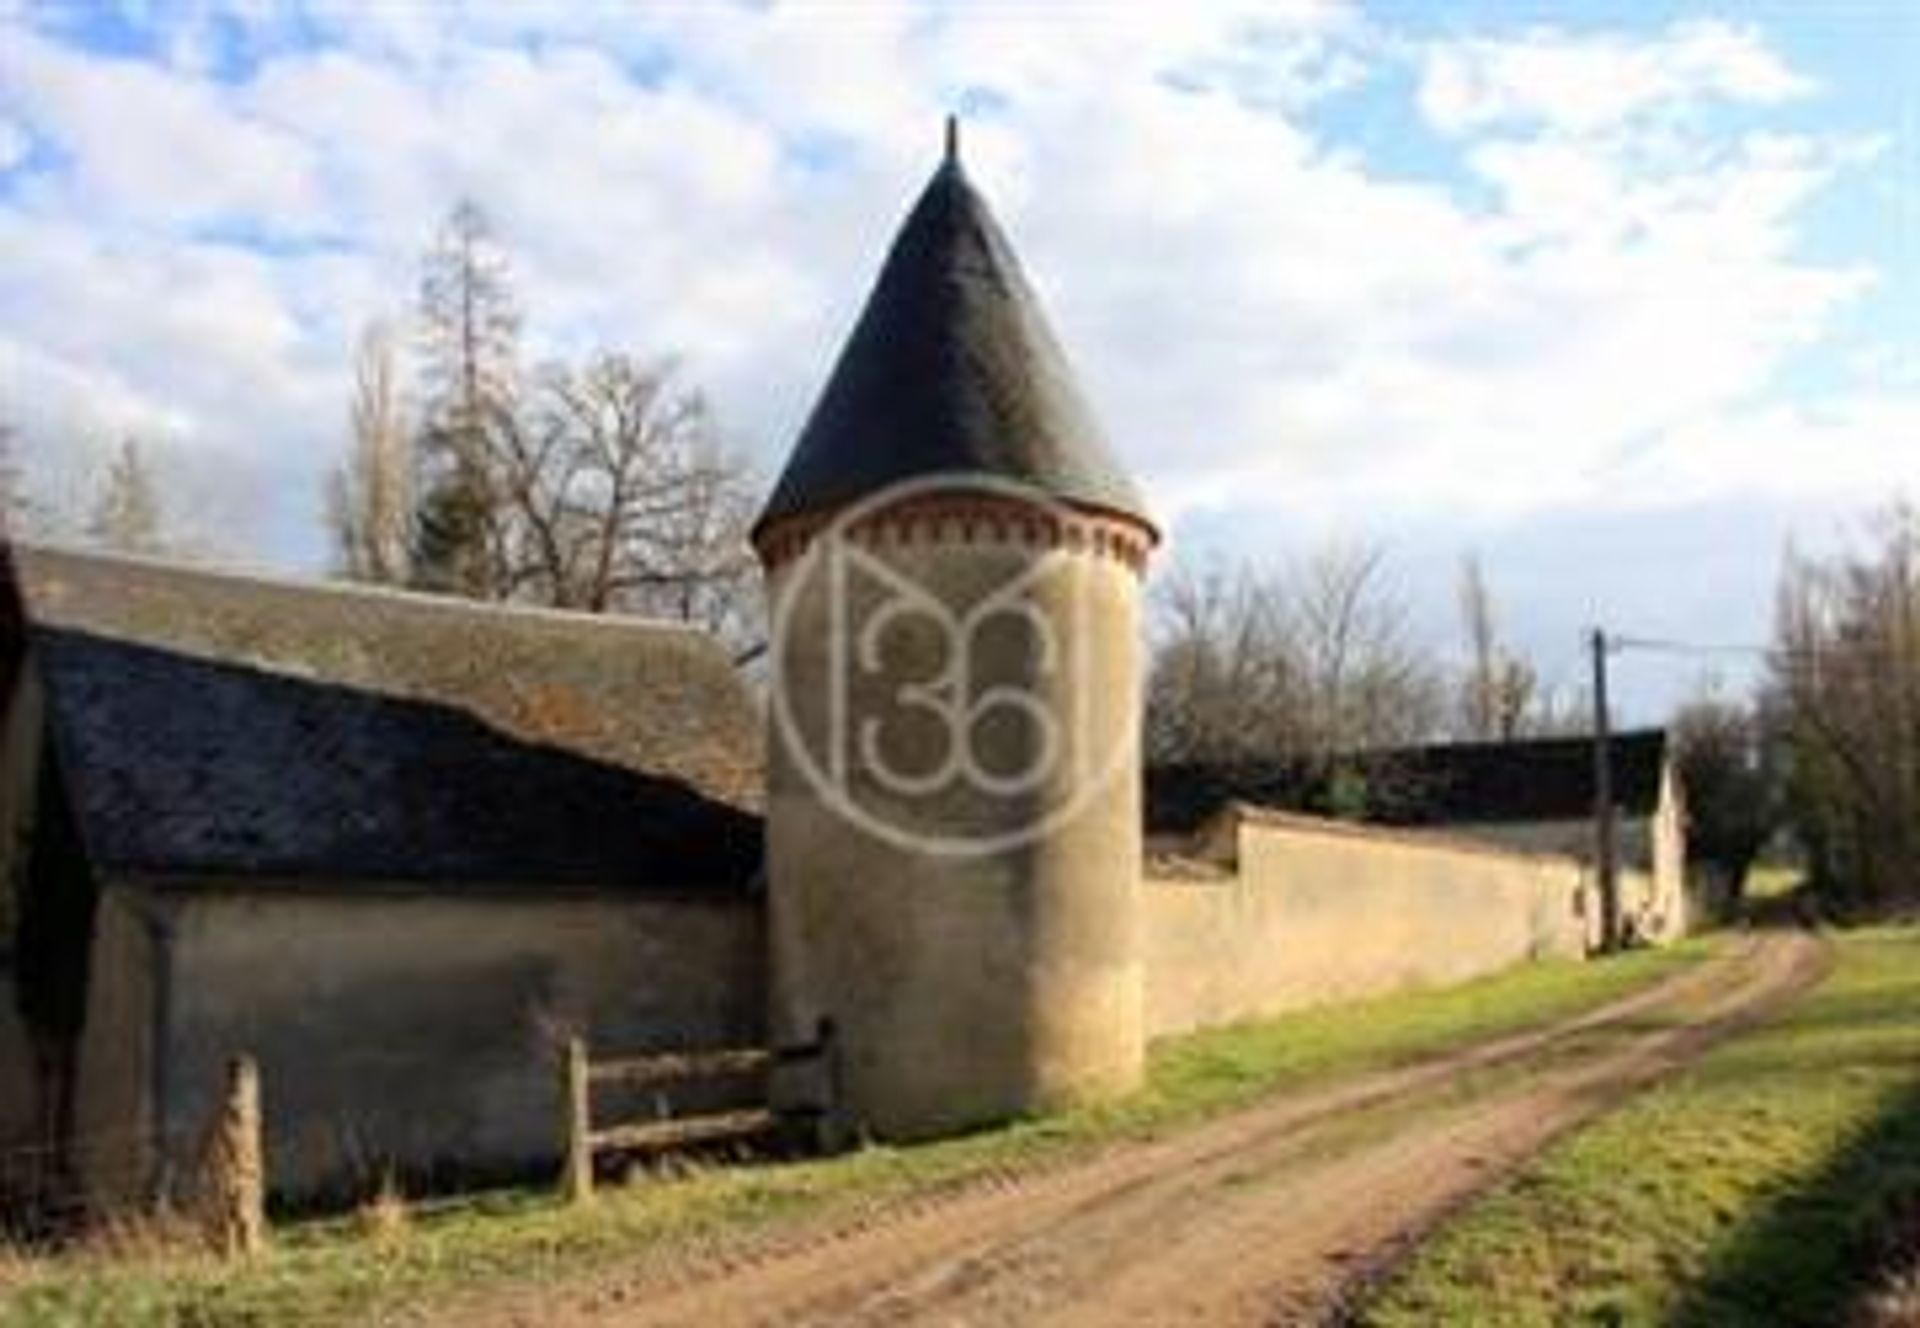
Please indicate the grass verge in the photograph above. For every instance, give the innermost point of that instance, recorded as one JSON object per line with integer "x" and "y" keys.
{"x": 1772, "y": 882}
{"x": 332, "y": 1272}
{"x": 1751, "y": 1190}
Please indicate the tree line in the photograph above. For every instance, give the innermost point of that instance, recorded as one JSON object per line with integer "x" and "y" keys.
{"x": 601, "y": 486}
{"x": 1311, "y": 668}
{"x": 1839, "y": 717}
{"x": 1316, "y": 658}
{"x": 1818, "y": 763}
{"x": 124, "y": 508}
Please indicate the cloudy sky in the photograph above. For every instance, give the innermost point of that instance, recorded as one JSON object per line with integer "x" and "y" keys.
{"x": 1620, "y": 295}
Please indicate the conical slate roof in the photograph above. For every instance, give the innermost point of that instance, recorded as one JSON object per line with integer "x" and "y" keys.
{"x": 950, "y": 370}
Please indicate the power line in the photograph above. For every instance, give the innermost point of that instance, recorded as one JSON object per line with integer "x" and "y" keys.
{"x": 1828, "y": 654}
{"x": 1670, "y": 646}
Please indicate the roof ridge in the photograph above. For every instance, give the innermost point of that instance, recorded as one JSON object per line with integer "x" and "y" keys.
{"x": 1637, "y": 732}
{"x": 261, "y": 578}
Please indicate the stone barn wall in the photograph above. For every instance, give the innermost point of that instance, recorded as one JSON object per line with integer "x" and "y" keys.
{"x": 19, "y": 767}
{"x": 16, "y": 1086}
{"x": 1276, "y": 912}
{"x": 412, "y": 1030}
{"x": 114, "y": 1128}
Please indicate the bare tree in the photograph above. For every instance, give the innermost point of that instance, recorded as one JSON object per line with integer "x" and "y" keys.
{"x": 470, "y": 326}
{"x": 1564, "y": 711}
{"x": 127, "y": 513}
{"x": 12, "y": 492}
{"x": 1224, "y": 682}
{"x": 601, "y": 487}
{"x": 24, "y": 508}
{"x": 1368, "y": 684}
{"x": 620, "y": 499}
{"x": 370, "y": 498}
{"x": 1499, "y": 689}
{"x": 1301, "y": 667}
{"x": 1479, "y": 690}
{"x": 1846, "y": 686}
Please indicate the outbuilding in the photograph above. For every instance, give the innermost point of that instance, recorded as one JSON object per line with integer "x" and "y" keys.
{"x": 391, "y": 846}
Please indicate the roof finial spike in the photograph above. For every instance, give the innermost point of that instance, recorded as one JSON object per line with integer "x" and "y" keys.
{"x": 953, "y": 140}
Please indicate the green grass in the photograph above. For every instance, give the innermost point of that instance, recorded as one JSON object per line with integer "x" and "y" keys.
{"x": 1752, "y": 1190}
{"x": 326, "y": 1272}
{"x": 1772, "y": 882}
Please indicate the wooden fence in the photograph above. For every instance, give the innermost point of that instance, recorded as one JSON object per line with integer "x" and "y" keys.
{"x": 800, "y": 1112}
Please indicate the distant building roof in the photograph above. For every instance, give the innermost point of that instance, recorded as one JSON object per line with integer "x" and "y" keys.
{"x": 232, "y": 726}
{"x": 1466, "y": 783}
{"x": 951, "y": 369}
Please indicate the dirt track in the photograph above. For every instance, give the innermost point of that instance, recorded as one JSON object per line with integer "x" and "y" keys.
{"x": 1272, "y": 1215}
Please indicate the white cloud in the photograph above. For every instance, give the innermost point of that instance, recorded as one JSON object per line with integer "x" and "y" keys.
{"x": 15, "y": 143}
{"x": 1857, "y": 450}
{"x": 1263, "y": 319}
{"x": 1588, "y": 82}
{"x": 149, "y": 145}
{"x": 1275, "y": 325}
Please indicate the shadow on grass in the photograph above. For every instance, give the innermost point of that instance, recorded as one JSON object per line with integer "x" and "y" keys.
{"x": 1817, "y": 1249}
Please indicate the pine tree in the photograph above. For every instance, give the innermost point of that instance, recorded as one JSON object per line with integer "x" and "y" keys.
{"x": 470, "y": 351}
{"x": 1498, "y": 691}
{"x": 126, "y": 511}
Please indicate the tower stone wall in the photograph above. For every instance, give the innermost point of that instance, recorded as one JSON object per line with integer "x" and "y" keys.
{"x": 978, "y": 948}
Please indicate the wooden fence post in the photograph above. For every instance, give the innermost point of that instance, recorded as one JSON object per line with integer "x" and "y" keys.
{"x": 233, "y": 1172}
{"x": 576, "y": 1109}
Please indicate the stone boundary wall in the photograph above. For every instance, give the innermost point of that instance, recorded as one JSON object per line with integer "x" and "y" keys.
{"x": 1262, "y": 912}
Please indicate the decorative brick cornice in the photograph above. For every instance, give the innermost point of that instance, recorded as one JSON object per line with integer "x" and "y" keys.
{"x": 971, "y": 518}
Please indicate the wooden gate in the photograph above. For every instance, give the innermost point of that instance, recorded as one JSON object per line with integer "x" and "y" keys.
{"x": 797, "y": 1114}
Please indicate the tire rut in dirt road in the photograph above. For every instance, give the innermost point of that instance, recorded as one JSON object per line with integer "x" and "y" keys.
{"x": 1259, "y": 1217}
{"x": 1290, "y": 1252}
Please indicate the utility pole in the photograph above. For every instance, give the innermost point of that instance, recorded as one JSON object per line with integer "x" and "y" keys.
{"x": 1605, "y": 858}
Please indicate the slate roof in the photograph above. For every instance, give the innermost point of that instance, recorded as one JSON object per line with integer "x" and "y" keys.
{"x": 951, "y": 369}
{"x": 225, "y": 725}
{"x": 1468, "y": 783}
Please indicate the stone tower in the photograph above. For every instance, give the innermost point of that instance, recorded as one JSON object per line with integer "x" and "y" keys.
{"x": 953, "y": 567}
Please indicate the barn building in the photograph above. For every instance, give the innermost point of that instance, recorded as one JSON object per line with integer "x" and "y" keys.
{"x": 389, "y": 844}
